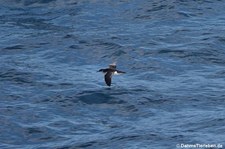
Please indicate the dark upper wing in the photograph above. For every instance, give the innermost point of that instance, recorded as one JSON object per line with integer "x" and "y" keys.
{"x": 118, "y": 71}
{"x": 108, "y": 78}
{"x": 103, "y": 70}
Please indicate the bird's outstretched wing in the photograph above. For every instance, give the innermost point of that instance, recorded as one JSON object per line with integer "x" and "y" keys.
{"x": 108, "y": 78}
{"x": 120, "y": 72}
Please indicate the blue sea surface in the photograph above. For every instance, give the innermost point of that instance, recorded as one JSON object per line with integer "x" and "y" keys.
{"x": 51, "y": 95}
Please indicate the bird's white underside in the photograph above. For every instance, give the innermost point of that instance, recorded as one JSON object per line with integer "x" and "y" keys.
{"x": 114, "y": 73}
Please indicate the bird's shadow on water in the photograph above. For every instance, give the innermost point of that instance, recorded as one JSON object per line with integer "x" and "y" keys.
{"x": 105, "y": 95}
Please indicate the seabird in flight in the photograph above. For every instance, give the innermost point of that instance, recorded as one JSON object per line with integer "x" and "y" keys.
{"x": 109, "y": 72}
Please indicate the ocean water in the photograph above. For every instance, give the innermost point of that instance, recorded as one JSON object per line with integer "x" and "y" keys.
{"x": 173, "y": 92}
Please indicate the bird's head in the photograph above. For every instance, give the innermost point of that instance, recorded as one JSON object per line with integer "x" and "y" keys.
{"x": 113, "y": 65}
